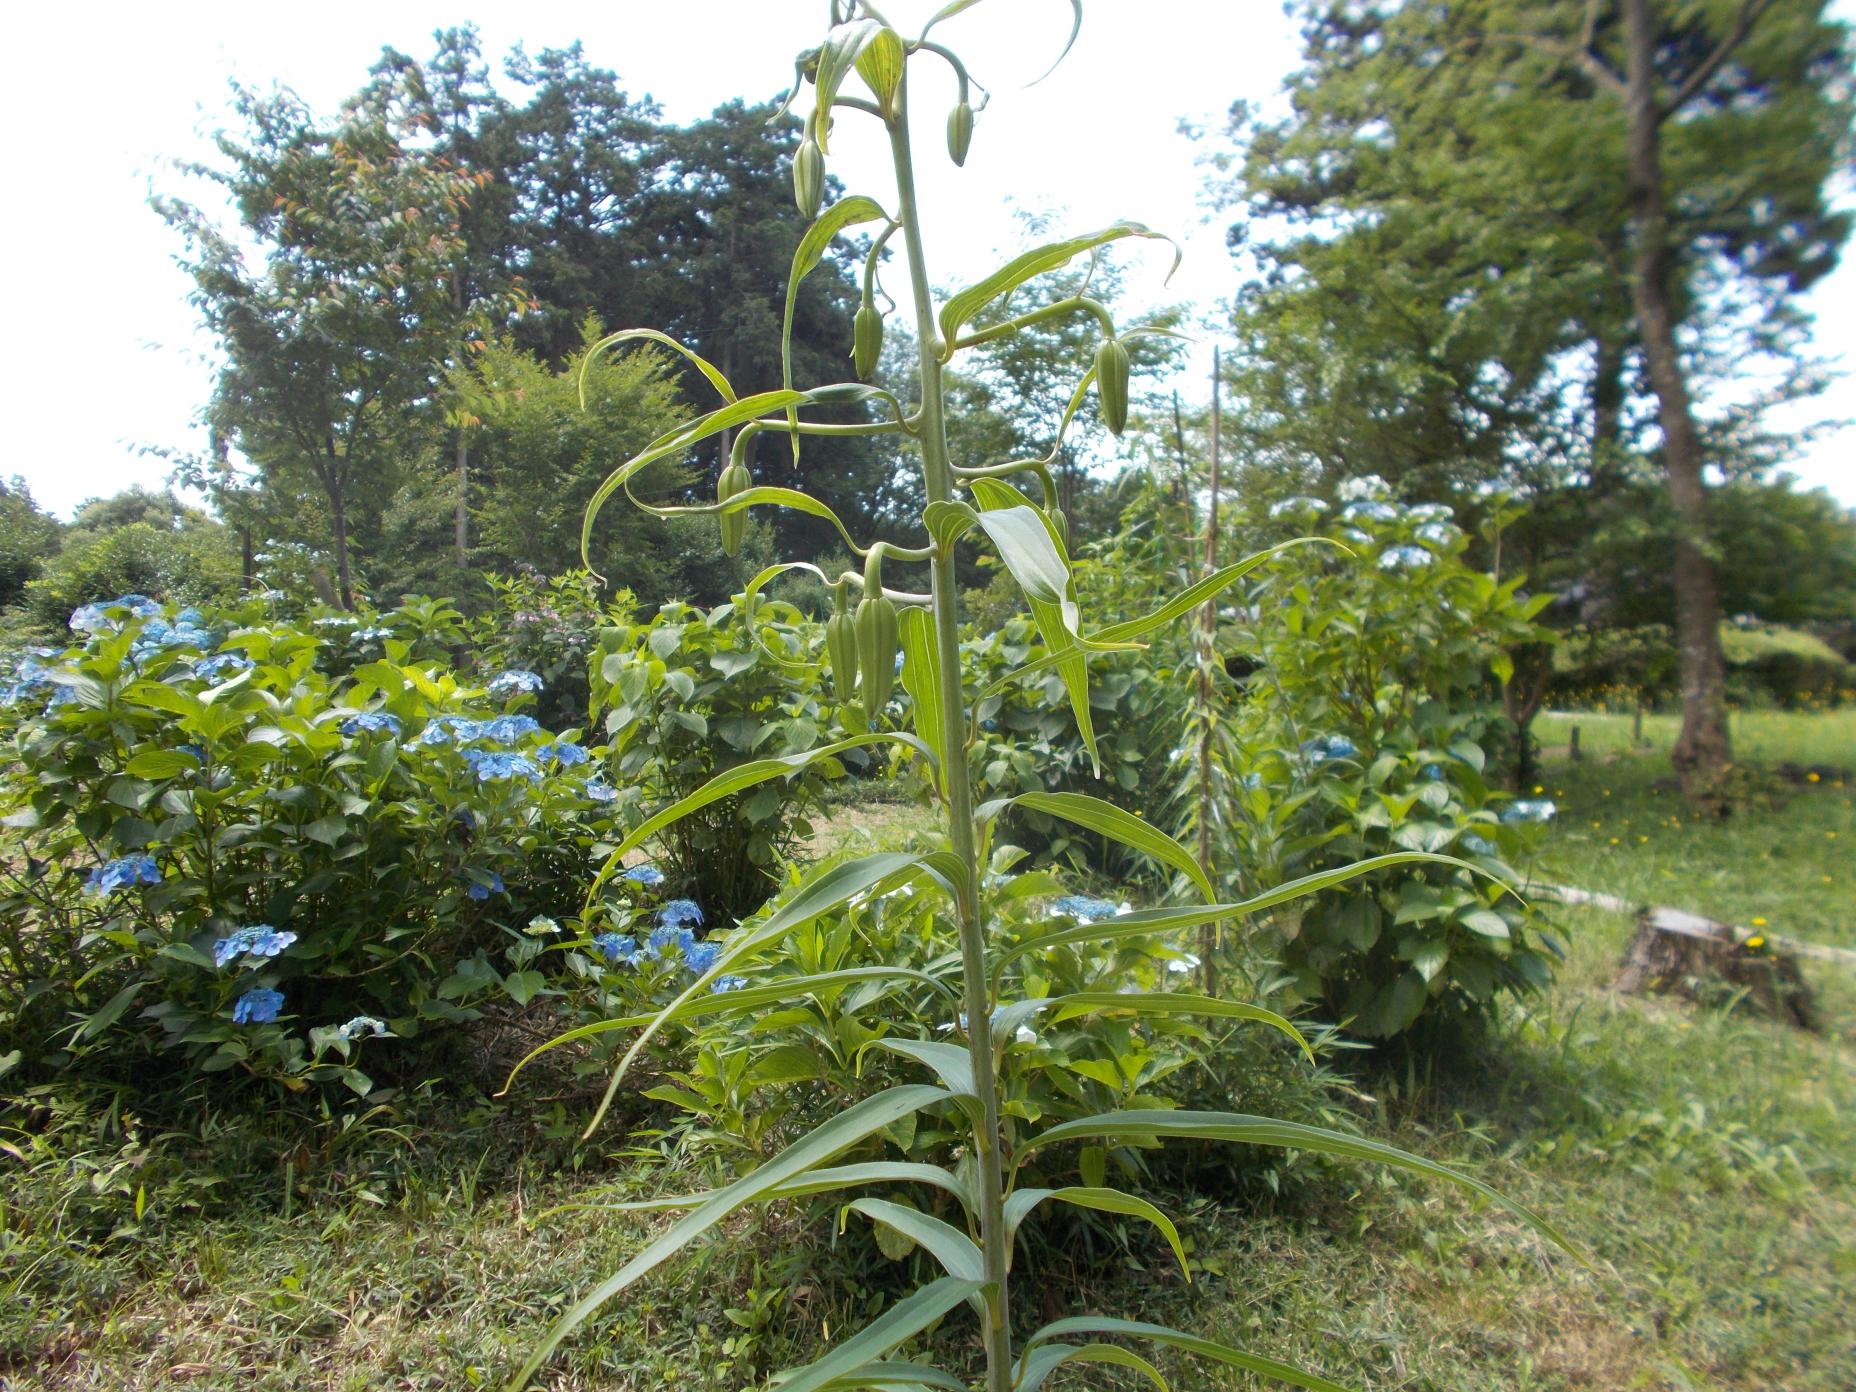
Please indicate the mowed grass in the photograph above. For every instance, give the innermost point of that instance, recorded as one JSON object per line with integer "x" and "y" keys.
{"x": 1701, "y": 1159}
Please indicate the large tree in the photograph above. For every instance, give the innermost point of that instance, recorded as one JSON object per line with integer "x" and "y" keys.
{"x": 1492, "y": 202}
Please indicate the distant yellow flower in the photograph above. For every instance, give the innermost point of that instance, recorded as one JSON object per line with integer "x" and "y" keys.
{"x": 1809, "y": 778}
{"x": 1614, "y": 841}
{"x": 1539, "y": 789}
{"x": 1643, "y": 840}
{"x": 1759, "y": 923}
{"x": 1756, "y": 941}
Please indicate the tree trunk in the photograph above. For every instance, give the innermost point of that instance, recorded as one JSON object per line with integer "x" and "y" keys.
{"x": 344, "y": 580}
{"x": 461, "y": 524}
{"x": 1702, "y": 751}
{"x": 1607, "y": 405}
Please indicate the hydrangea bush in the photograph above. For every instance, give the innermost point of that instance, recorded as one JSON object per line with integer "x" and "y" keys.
{"x": 227, "y": 853}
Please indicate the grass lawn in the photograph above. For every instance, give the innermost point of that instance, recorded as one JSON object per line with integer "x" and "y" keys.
{"x": 1702, "y": 1159}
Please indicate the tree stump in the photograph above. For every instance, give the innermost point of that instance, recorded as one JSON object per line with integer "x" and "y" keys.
{"x": 1711, "y": 963}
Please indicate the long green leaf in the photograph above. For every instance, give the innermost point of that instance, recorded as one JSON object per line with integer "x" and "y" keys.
{"x": 921, "y": 678}
{"x": 843, "y": 1131}
{"x": 962, "y": 307}
{"x": 811, "y": 1182}
{"x": 1022, "y": 1201}
{"x": 818, "y": 895}
{"x": 949, "y": 1062}
{"x": 1193, "y": 596}
{"x": 835, "y": 60}
{"x": 613, "y": 340}
{"x": 1186, "y": 1343}
{"x": 954, "y": 7}
{"x": 897, "y": 1377}
{"x": 678, "y": 440}
{"x": 1113, "y": 822}
{"x": 738, "y": 779}
{"x": 896, "y": 1326}
{"x": 759, "y": 495}
{"x": 1045, "y": 1359}
{"x": 1288, "y": 1135}
{"x": 1169, "y": 1003}
{"x": 957, "y": 1253}
{"x": 1146, "y": 922}
{"x": 782, "y": 990}
{"x": 750, "y": 597}
{"x": 846, "y": 212}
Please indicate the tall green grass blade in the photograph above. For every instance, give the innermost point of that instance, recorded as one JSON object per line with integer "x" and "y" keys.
{"x": 893, "y": 1328}
{"x": 1185, "y": 1343}
{"x": 1021, "y": 1202}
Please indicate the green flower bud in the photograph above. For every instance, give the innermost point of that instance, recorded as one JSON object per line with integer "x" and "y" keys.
{"x": 1112, "y": 384}
{"x": 877, "y": 639}
{"x": 809, "y": 178}
{"x": 841, "y": 647}
{"x": 959, "y": 132}
{"x": 1062, "y": 524}
{"x": 735, "y": 479}
{"x": 866, "y": 341}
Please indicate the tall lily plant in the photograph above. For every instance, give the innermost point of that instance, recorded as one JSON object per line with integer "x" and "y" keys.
{"x": 965, "y": 499}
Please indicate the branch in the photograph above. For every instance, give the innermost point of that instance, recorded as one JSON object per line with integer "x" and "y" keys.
{"x": 1588, "y": 61}
{"x": 1750, "y": 11}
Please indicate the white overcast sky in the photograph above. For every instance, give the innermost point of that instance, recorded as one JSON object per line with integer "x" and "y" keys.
{"x": 105, "y": 355}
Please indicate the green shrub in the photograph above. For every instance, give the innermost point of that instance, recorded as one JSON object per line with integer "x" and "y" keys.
{"x": 227, "y": 856}
{"x": 1374, "y": 708}
{"x": 690, "y": 694}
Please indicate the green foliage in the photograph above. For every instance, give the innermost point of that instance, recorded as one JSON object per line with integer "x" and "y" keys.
{"x": 29, "y": 536}
{"x": 212, "y": 807}
{"x": 973, "y": 1109}
{"x": 134, "y": 543}
{"x": 1372, "y": 710}
{"x": 688, "y": 695}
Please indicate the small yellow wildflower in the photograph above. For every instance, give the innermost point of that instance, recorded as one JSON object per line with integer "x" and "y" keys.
{"x": 1539, "y": 789}
{"x": 1614, "y": 841}
{"x": 1756, "y": 942}
{"x": 1759, "y": 923}
{"x": 1810, "y": 778}
{"x": 1643, "y": 840}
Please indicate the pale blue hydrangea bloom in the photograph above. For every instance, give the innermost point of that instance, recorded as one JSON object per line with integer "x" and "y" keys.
{"x": 647, "y": 875}
{"x": 373, "y": 722}
{"x": 1366, "y": 486}
{"x": 514, "y": 682}
{"x": 616, "y": 947}
{"x": 667, "y": 936}
{"x": 1529, "y": 810}
{"x": 1438, "y": 534}
{"x": 1372, "y": 510}
{"x": 1085, "y": 909}
{"x": 1477, "y": 845}
{"x": 1324, "y": 747}
{"x": 258, "y": 1006}
{"x": 1297, "y": 507}
{"x": 1404, "y": 557}
{"x": 97, "y": 618}
{"x": 213, "y": 669}
{"x": 565, "y": 754}
{"x": 362, "y": 1027}
{"x": 699, "y": 957}
{"x": 679, "y": 912}
{"x": 123, "y": 873}
{"x": 728, "y": 983}
{"x": 1430, "y": 512}
{"x": 493, "y": 767}
{"x": 599, "y": 790}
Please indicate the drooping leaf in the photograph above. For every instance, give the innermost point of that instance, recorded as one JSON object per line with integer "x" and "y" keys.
{"x": 1186, "y": 1343}
{"x": 850, "y": 1126}
{"x": 1022, "y": 1201}
{"x": 1039, "y": 1363}
{"x": 1113, "y": 822}
{"x": 1168, "y": 1003}
{"x": 894, "y": 1327}
{"x": 962, "y": 307}
{"x": 959, "y": 1256}
{"x": 846, "y": 212}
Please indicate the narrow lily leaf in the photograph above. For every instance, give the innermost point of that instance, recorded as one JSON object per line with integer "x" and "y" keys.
{"x": 1288, "y": 1135}
{"x": 957, "y": 1253}
{"x": 949, "y": 1062}
{"x": 750, "y": 597}
{"x": 1022, "y": 1201}
{"x": 921, "y": 678}
{"x": 850, "y": 1126}
{"x": 735, "y": 780}
{"x": 678, "y": 440}
{"x": 1193, "y": 596}
{"x": 756, "y": 496}
{"x": 781, "y": 990}
{"x": 1168, "y": 1003}
{"x": 1112, "y": 822}
{"x": 897, "y": 1377}
{"x": 613, "y": 340}
{"x": 846, "y": 212}
{"x": 811, "y": 1182}
{"x": 896, "y": 1326}
{"x": 1045, "y": 1359}
{"x": 819, "y": 895}
{"x": 835, "y": 61}
{"x": 962, "y": 307}
{"x": 1146, "y": 922}
{"x": 1186, "y": 1343}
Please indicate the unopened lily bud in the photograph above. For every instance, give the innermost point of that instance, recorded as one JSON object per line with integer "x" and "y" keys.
{"x": 877, "y": 639}
{"x": 866, "y": 341}
{"x": 959, "y": 132}
{"x": 735, "y": 479}
{"x": 1112, "y": 384}
{"x": 809, "y": 178}
{"x": 841, "y": 647}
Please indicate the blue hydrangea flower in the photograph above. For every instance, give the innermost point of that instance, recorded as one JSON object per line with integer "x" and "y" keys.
{"x": 271, "y": 942}
{"x": 666, "y": 936}
{"x": 1404, "y": 557}
{"x": 362, "y": 1027}
{"x": 1371, "y": 510}
{"x": 372, "y": 635}
{"x": 492, "y": 767}
{"x": 1476, "y": 845}
{"x": 373, "y": 722}
{"x": 1363, "y": 487}
{"x": 1438, "y": 534}
{"x": 727, "y": 983}
{"x": 1430, "y": 512}
{"x": 507, "y": 729}
{"x": 98, "y": 617}
{"x": 227, "y": 949}
{"x": 259, "y": 940}
{"x": 618, "y": 948}
{"x": 258, "y": 1006}
{"x": 1324, "y": 747}
{"x": 1529, "y": 810}
{"x": 679, "y": 912}
{"x": 197, "y": 750}
{"x": 1434, "y": 772}
{"x": 1085, "y": 909}
{"x": 123, "y": 873}
{"x": 599, "y": 790}
{"x": 447, "y": 728}
{"x": 514, "y": 682}
{"x": 647, "y": 875}
{"x": 565, "y": 754}
{"x": 479, "y": 890}
{"x": 699, "y": 957}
